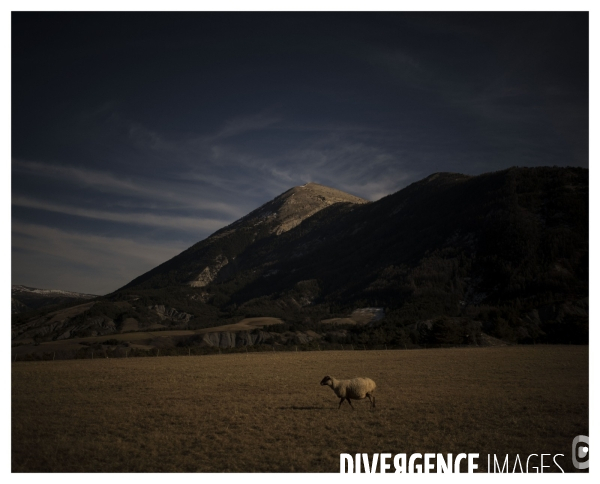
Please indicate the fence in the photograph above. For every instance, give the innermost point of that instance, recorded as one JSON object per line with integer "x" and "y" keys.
{"x": 128, "y": 352}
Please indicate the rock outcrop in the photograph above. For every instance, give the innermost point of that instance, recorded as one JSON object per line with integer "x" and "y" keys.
{"x": 238, "y": 339}
{"x": 171, "y": 313}
{"x": 209, "y": 273}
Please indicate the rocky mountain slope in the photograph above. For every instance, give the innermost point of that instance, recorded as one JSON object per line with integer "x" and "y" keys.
{"x": 199, "y": 265}
{"x": 446, "y": 260}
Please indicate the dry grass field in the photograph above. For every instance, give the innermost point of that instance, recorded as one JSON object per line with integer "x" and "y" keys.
{"x": 266, "y": 412}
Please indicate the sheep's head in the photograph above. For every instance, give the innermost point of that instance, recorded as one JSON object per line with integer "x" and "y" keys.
{"x": 326, "y": 381}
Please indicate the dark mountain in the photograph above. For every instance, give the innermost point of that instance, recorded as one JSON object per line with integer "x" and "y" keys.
{"x": 449, "y": 259}
{"x": 25, "y": 298}
{"x": 201, "y": 263}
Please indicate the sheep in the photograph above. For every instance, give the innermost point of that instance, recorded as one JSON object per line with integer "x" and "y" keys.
{"x": 356, "y": 389}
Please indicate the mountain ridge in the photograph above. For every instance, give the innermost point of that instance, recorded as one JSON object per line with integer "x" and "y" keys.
{"x": 503, "y": 253}
{"x": 275, "y": 217}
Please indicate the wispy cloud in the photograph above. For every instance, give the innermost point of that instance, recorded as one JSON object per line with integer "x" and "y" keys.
{"x": 181, "y": 195}
{"x": 147, "y": 138}
{"x": 348, "y": 160}
{"x": 244, "y": 124}
{"x": 189, "y": 224}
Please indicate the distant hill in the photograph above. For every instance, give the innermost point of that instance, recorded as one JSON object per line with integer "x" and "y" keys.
{"x": 30, "y": 298}
{"x": 451, "y": 259}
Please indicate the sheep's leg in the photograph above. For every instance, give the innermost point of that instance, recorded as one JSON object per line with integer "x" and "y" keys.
{"x": 348, "y": 398}
{"x": 341, "y": 401}
{"x": 371, "y": 399}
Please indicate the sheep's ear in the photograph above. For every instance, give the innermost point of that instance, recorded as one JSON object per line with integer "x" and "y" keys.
{"x": 325, "y": 380}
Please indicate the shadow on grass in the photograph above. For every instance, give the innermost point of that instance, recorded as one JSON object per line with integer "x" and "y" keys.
{"x": 294, "y": 407}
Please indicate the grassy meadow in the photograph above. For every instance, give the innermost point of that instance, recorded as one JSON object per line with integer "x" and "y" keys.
{"x": 265, "y": 412}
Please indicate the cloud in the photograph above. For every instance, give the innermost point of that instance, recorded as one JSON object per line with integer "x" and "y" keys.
{"x": 195, "y": 144}
{"x": 189, "y": 224}
{"x": 181, "y": 195}
{"x": 350, "y": 157}
{"x": 54, "y": 258}
{"x": 244, "y": 124}
{"x": 353, "y": 161}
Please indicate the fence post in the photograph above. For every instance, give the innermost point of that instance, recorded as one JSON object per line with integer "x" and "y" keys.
{"x": 157, "y": 352}
{"x": 364, "y": 348}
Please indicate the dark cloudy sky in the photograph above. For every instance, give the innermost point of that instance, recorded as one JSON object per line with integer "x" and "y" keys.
{"x": 136, "y": 135}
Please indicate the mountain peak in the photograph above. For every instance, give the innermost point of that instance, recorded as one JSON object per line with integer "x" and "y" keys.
{"x": 297, "y": 204}
{"x": 199, "y": 265}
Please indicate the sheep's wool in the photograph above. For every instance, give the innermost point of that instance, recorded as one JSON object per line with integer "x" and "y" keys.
{"x": 357, "y": 388}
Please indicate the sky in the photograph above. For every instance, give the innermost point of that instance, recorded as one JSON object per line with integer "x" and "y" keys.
{"x": 136, "y": 135}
